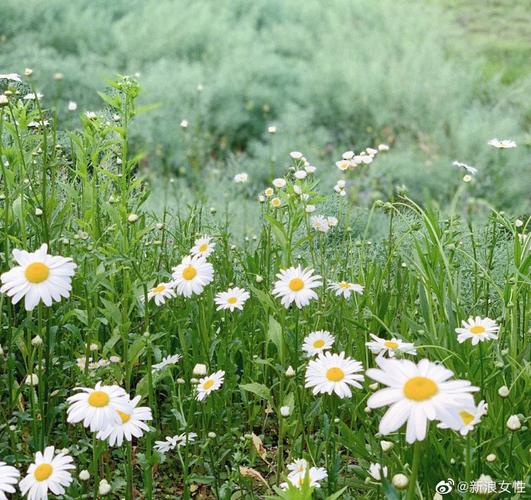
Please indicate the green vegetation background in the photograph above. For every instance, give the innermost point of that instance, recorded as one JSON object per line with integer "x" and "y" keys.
{"x": 435, "y": 79}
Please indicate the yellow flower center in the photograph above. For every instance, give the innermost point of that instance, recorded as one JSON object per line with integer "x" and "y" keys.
{"x": 466, "y": 417}
{"x": 420, "y": 388}
{"x": 158, "y": 289}
{"x": 319, "y": 343}
{"x": 268, "y": 192}
{"x": 390, "y": 344}
{"x": 477, "y": 329}
{"x": 99, "y": 399}
{"x": 344, "y": 285}
{"x": 335, "y": 374}
{"x": 208, "y": 384}
{"x": 43, "y": 472}
{"x": 189, "y": 273}
{"x": 232, "y": 300}
{"x": 275, "y": 202}
{"x": 37, "y": 272}
{"x": 296, "y": 284}
{"x": 203, "y": 247}
{"x": 124, "y": 416}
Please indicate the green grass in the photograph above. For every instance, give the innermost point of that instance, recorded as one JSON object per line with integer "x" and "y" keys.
{"x": 424, "y": 271}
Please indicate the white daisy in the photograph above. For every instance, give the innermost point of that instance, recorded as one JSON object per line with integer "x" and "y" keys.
{"x": 241, "y": 178}
{"x": 208, "y": 384}
{"x": 49, "y": 472}
{"x": 14, "y": 77}
{"x": 296, "y": 155}
{"x": 417, "y": 393}
{"x": 299, "y": 471}
{"x": 502, "y": 143}
{"x": 346, "y": 289}
{"x": 172, "y": 442}
{"x": 98, "y": 408}
{"x": 467, "y": 168}
{"x": 295, "y": 285}
{"x": 38, "y": 276}
{"x": 465, "y": 418}
{"x": 333, "y": 373}
{"x": 279, "y": 183}
{"x": 8, "y": 478}
{"x": 319, "y": 223}
{"x": 390, "y": 347}
{"x": 132, "y": 424}
{"x": 478, "y": 330}
{"x": 300, "y": 174}
{"x": 332, "y": 221}
{"x": 317, "y": 342}
{"x": 377, "y": 472}
{"x": 233, "y": 298}
{"x": 160, "y": 293}
{"x": 203, "y": 246}
{"x": 343, "y": 165}
{"x": 167, "y": 361}
{"x": 192, "y": 275}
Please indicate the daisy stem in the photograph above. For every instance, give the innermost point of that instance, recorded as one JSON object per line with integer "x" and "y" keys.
{"x": 468, "y": 458}
{"x": 129, "y": 471}
{"x": 414, "y": 471}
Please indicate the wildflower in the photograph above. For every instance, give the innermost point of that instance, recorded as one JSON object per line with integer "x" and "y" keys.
{"x": 98, "y": 408}
{"x": 212, "y": 435}
{"x": 383, "y": 147}
{"x": 48, "y": 472}
{"x": 184, "y": 124}
{"x": 491, "y": 457}
{"x": 343, "y": 165}
{"x": 72, "y": 106}
{"x": 503, "y": 391}
{"x": 199, "y": 370}
{"x": 285, "y": 411}
{"x": 166, "y": 361}
{"x": 241, "y": 178}
{"x": 348, "y": 155}
{"x": 38, "y": 276}
{"x": 483, "y": 485}
{"x": 104, "y": 487}
{"x": 317, "y": 342}
{"x": 14, "y": 77}
{"x": 513, "y": 423}
{"x": 290, "y": 372}
{"x": 309, "y": 209}
{"x": 203, "y": 246}
{"x": 131, "y": 424}
{"x": 377, "y": 472}
{"x": 390, "y": 347}
{"x": 502, "y": 143}
{"x": 467, "y": 178}
{"x": 319, "y": 223}
{"x": 32, "y": 96}
{"x": 332, "y": 221}
{"x": 272, "y": 129}
{"x": 36, "y": 341}
{"x": 84, "y": 475}
{"x": 310, "y": 169}
{"x": 333, "y": 373}
{"x": 132, "y": 218}
{"x": 346, "y": 289}
{"x": 300, "y": 174}
{"x": 268, "y": 192}
{"x": 299, "y": 470}
{"x": 296, "y": 155}
{"x": 468, "y": 169}
{"x": 233, "y": 298}
{"x": 192, "y": 275}
{"x": 160, "y": 293}
{"x": 464, "y": 419}
{"x": 32, "y": 380}
{"x": 279, "y": 183}
{"x": 400, "y": 481}
{"x": 8, "y": 476}
{"x": 172, "y": 442}
{"x": 417, "y": 393}
{"x": 276, "y": 202}
{"x": 296, "y": 285}
{"x": 208, "y": 384}
{"x": 478, "y": 330}
{"x": 91, "y": 115}
{"x": 386, "y": 445}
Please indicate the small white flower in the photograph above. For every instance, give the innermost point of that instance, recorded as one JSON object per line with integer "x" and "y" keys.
{"x": 192, "y": 275}
{"x": 383, "y": 147}
{"x": 343, "y": 165}
{"x": 502, "y": 143}
{"x": 317, "y": 342}
{"x": 208, "y": 384}
{"x": 296, "y": 155}
{"x": 91, "y": 115}
{"x": 346, "y": 289}
{"x": 160, "y": 293}
{"x": 203, "y": 246}
{"x": 503, "y": 391}
{"x": 84, "y": 475}
{"x": 300, "y": 174}
{"x": 14, "y": 77}
{"x": 468, "y": 169}
{"x": 295, "y": 285}
{"x": 241, "y": 178}
{"x": 290, "y": 372}
{"x": 166, "y": 361}
{"x": 390, "y": 347}
{"x": 478, "y": 330}
{"x": 386, "y": 445}
{"x": 272, "y": 129}
{"x": 72, "y": 106}
{"x": 332, "y": 221}
{"x": 491, "y": 457}
{"x": 233, "y": 298}
{"x": 104, "y": 487}
{"x": 32, "y": 379}
{"x": 348, "y": 155}
{"x": 279, "y": 182}
{"x": 513, "y": 423}
{"x": 285, "y": 411}
{"x": 377, "y": 472}
{"x": 319, "y": 223}
{"x": 310, "y": 169}
{"x": 184, "y": 124}
{"x": 199, "y": 370}
{"x": 463, "y": 419}
{"x": 400, "y": 481}
{"x": 276, "y": 202}
{"x": 309, "y": 209}
{"x": 132, "y": 218}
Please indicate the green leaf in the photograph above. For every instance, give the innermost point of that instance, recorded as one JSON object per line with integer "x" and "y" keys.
{"x": 274, "y": 334}
{"x": 259, "y": 389}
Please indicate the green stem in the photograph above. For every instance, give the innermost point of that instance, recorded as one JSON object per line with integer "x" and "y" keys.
{"x": 414, "y": 471}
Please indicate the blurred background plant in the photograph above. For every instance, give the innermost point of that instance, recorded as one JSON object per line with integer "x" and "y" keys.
{"x": 435, "y": 80}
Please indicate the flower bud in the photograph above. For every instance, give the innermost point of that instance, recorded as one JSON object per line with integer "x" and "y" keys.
{"x": 513, "y": 423}
{"x": 400, "y": 481}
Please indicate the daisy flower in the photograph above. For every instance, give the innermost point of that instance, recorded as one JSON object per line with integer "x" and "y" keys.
{"x": 299, "y": 470}
{"x": 417, "y": 393}
{"x": 502, "y": 143}
{"x": 172, "y": 442}
{"x": 98, "y": 408}
{"x": 333, "y": 373}
{"x": 49, "y": 472}
{"x": 276, "y": 202}
{"x": 346, "y": 289}
{"x": 467, "y": 168}
{"x": 233, "y": 298}
{"x": 208, "y": 384}
{"x": 203, "y": 246}
{"x": 38, "y": 276}
{"x": 241, "y": 178}
{"x": 343, "y": 165}
{"x": 464, "y": 419}
{"x": 478, "y": 330}
{"x": 319, "y": 223}
{"x": 8, "y": 478}
{"x": 296, "y": 285}
{"x": 132, "y": 424}
{"x": 390, "y": 347}
{"x": 317, "y": 342}
{"x": 377, "y": 472}
{"x": 268, "y": 192}
{"x": 192, "y": 275}
{"x": 160, "y": 293}
{"x": 279, "y": 182}
{"x": 166, "y": 361}
{"x": 14, "y": 77}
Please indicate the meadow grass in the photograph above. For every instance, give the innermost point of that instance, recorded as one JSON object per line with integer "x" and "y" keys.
{"x": 422, "y": 270}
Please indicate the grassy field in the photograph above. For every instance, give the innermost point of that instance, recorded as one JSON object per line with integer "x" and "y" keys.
{"x": 252, "y": 270}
